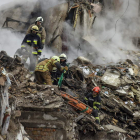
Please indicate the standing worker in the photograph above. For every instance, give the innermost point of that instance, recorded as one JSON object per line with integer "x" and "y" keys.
{"x": 43, "y": 69}
{"x": 41, "y": 33}
{"x": 94, "y": 101}
{"x": 31, "y": 46}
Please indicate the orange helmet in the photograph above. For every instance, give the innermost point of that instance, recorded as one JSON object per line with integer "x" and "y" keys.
{"x": 96, "y": 89}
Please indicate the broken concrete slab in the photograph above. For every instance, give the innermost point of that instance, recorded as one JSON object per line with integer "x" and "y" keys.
{"x": 121, "y": 92}
{"x": 111, "y": 78}
{"x": 82, "y": 61}
{"x": 126, "y": 109}
{"x": 115, "y": 128}
{"x": 136, "y": 114}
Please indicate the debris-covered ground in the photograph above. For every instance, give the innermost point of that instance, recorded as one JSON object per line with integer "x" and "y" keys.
{"x": 119, "y": 114}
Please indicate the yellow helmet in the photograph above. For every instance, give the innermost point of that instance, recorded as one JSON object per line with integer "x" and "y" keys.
{"x": 56, "y": 58}
{"x": 63, "y": 56}
{"x": 35, "y": 28}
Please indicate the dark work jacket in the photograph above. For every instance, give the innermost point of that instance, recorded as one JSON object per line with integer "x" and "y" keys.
{"x": 58, "y": 73}
{"x": 94, "y": 102}
{"x": 32, "y": 40}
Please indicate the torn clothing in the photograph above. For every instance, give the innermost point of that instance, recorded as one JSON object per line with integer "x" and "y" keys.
{"x": 41, "y": 33}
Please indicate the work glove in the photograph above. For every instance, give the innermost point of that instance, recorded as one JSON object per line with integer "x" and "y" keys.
{"x": 66, "y": 68}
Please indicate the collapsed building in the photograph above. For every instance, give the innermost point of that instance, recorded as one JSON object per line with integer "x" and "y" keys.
{"x": 32, "y": 112}
{"x": 77, "y": 13}
{"x": 40, "y": 111}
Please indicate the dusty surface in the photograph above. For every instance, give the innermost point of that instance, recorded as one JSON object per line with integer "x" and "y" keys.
{"x": 119, "y": 112}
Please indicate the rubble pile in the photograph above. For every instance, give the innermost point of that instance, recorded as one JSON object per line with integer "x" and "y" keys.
{"x": 120, "y": 93}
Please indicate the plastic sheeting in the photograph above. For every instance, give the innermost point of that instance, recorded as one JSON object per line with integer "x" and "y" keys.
{"x": 5, "y": 113}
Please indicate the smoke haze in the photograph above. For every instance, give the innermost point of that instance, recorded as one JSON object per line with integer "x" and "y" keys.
{"x": 107, "y": 43}
{"x": 111, "y": 39}
{"x": 112, "y": 32}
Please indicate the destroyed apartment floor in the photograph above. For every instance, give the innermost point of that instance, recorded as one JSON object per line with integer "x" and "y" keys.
{"x": 120, "y": 94}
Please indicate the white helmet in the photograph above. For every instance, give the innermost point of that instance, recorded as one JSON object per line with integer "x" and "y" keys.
{"x": 40, "y": 19}
{"x": 63, "y": 56}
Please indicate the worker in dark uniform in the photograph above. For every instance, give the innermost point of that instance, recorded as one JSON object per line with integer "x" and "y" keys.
{"x": 41, "y": 31}
{"x": 32, "y": 47}
{"x": 94, "y": 101}
{"x": 56, "y": 74}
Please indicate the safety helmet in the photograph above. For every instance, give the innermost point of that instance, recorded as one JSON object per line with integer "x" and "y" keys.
{"x": 56, "y": 58}
{"x": 63, "y": 56}
{"x": 35, "y": 28}
{"x": 40, "y": 19}
{"x": 96, "y": 89}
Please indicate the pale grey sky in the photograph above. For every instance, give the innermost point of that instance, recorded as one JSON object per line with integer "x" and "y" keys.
{"x": 5, "y": 2}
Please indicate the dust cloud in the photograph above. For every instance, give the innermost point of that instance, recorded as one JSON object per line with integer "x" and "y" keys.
{"x": 117, "y": 29}
{"x": 112, "y": 34}
{"x": 10, "y": 40}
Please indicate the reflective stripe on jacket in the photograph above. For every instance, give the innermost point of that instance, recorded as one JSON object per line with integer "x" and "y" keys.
{"x": 46, "y": 65}
{"x": 94, "y": 102}
{"x": 32, "y": 40}
{"x": 41, "y": 33}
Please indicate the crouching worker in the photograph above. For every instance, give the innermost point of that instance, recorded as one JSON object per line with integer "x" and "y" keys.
{"x": 94, "y": 101}
{"x": 32, "y": 48}
{"x": 56, "y": 74}
{"x": 43, "y": 69}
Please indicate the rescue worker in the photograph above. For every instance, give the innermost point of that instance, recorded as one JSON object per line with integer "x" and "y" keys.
{"x": 43, "y": 69}
{"x": 63, "y": 59}
{"x": 32, "y": 47}
{"x": 94, "y": 101}
{"x": 41, "y": 33}
{"x": 56, "y": 74}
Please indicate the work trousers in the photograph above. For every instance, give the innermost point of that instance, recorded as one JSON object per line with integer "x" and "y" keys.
{"x": 95, "y": 114}
{"x": 18, "y": 52}
{"x": 43, "y": 77}
{"x": 32, "y": 57}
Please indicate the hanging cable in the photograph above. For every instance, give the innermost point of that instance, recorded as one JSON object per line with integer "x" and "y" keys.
{"x": 118, "y": 20}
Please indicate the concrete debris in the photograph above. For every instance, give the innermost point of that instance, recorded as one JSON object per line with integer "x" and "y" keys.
{"x": 121, "y": 92}
{"x": 82, "y": 61}
{"x": 40, "y": 108}
{"x": 111, "y": 78}
{"x": 111, "y": 127}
